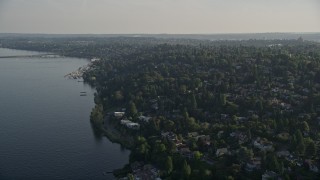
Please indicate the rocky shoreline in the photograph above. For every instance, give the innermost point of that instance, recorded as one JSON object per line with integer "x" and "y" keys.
{"x": 77, "y": 74}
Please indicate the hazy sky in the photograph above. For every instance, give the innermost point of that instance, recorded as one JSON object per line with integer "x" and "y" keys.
{"x": 159, "y": 16}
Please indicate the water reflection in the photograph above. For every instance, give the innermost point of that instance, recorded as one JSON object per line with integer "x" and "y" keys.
{"x": 98, "y": 135}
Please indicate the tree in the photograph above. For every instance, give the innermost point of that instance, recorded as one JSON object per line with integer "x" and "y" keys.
{"x": 191, "y": 124}
{"x": 197, "y": 155}
{"x": 311, "y": 148}
{"x": 143, "y": 148}
{"x": 132, "y": 109}
{"x": 169, "y": 165}
{"x": 299, "y": 136}
{"x": 194, "y": 104}
{"x": 223, "y": 99}
{"x": 96, "y": 115}
{"x": 305, "y": 126}
{"x": 245, "y": 154}
{"x": 130, "y": 176}
{"x": 281, "y": 168}
{"x": 205, "y": 174}
{"x": 160, "y": 148}
{"x": 186, "y": 170}
{"x": 260, "y": 106}
{"x": 249, "y": 134}
{"x": 272, "y": 163}
{"x": 118, "y": 96}
{"x": 232, "y": 108}
{"x": 168, "y": 125}
{"x": 183, "y": 89}
{"x": 185, "y": 113}
{"x": 300, "y": 146}
{"x": 171, "y": 147}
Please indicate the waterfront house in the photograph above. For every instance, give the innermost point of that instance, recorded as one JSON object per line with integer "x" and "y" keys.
{"x": 129, "y": 124}
{"x": 119, "y": 114}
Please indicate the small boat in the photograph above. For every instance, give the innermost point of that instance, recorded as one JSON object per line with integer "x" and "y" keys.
{"x": 83, "y": 92}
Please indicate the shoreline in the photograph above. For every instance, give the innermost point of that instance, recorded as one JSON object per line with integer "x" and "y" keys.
{"x": 115, "y": 136}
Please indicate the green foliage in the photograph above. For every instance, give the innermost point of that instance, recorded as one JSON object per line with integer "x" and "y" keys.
{"x": 142, "y": 150}
{"x": 197, "y": 155}
{"x": 299, "y": 142}
{"x": 160, "y": 148}
{"x": 245, "y": 154}
{"x": 223, "y": 99}
{"x": 194, "y": 104}
{"x": 305, "y": 126}
{"x": 96, "y": 115}
{"x": 311, "y": 148}
{"x": 118, "y": 96}
{"x": 169, "y": 165}
{"x": 186, "y": 170}
{"x": 130, "y": 176}
{"x": 272, "y": 163}
{"x": 132, "y": 109}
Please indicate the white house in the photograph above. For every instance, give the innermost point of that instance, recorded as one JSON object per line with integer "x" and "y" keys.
{"x": 129, "y": 124}
{"x": 118, "y": 114}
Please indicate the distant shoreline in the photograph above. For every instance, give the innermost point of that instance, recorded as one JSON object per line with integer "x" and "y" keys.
{"x": 310, "y": 36}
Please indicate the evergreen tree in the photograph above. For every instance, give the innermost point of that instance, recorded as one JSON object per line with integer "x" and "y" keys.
{"x": 245, "y": 154}
{"x": 260, "y": 106}
{"x": 305, "y": 126}
{"x": 96, "y": 115}
{"x": 311, "y": 148}
{"x": 272, "y": 163}
{"x": 130, "y": 176}
{"x": 300, "y": 146}
{"x": 281, "y": 168}
{"x": 249, "y": 134}
{"x": 185, "y": 113}
{"x": 194, "y": 104}
{"x": 223, "y": 99}
{"x": 186, "y": 170}
{"x": 132, "y": 109}
{"x": 197, "y": 155}
{"x": 169, "y": 165}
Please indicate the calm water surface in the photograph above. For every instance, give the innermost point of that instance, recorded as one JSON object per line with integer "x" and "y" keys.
{"x": 45, "y": 131}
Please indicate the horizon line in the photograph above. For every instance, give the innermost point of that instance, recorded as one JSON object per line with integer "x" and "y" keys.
{"x": 228, "y": 33}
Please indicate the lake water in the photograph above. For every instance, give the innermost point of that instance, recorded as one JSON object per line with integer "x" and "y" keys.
{"x": 45, "y": 132}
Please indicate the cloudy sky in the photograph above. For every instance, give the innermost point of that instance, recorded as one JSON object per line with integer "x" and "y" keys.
{"x": 158, "y": 16}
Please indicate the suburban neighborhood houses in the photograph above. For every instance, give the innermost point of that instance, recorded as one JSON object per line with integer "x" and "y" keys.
{"x": 256, "y": 121}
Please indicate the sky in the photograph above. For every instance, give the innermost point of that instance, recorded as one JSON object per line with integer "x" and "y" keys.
{"x": 158, "y": 16}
